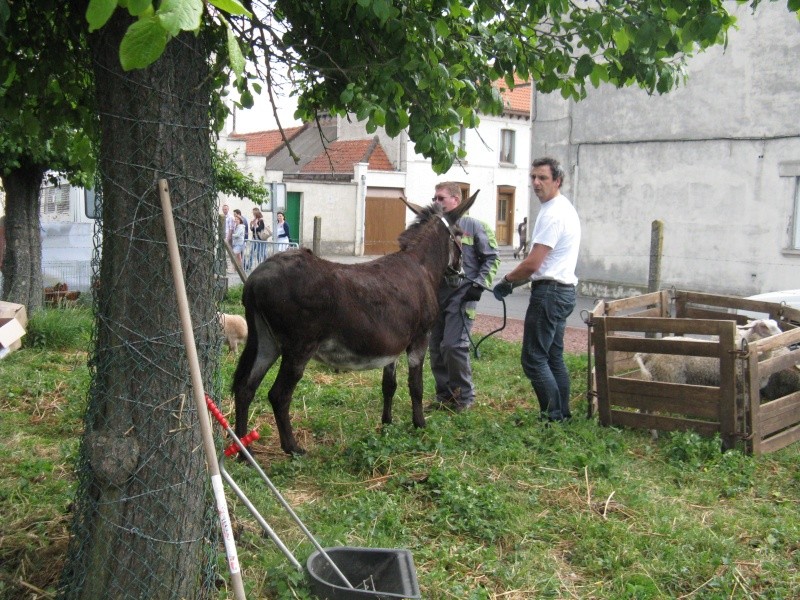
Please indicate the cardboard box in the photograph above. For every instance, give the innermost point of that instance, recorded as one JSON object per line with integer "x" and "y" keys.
{"x": 13, "y": 319}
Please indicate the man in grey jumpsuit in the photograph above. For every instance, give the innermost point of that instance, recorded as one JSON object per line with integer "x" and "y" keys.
{"x": 449, "y": 341}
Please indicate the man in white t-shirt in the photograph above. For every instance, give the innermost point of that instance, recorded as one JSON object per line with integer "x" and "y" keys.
{"x": 550, "y": 267}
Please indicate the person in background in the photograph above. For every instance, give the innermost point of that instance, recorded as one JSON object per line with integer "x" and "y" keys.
{"x": 237, "y": 239}
{"x": 236, "y": 211}
{"x": 522, "y": 230}
{"x": 229, "y": 222}
{"x": 449, "y": 341}
{"x": 550, "y": 267}
{"x": 282, "y": 232}
{"x": 258, "y": 227}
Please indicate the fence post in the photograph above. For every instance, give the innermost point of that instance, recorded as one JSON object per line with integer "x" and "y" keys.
{"x": 654, "y": 270}
{"x": 315, "y": 244}
{"x": 656, "y": 249}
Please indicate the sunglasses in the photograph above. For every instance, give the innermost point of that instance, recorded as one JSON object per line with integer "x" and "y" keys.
{"x": 439, "y": 198}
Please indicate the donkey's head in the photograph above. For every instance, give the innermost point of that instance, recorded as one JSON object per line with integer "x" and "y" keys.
{"x": 448, "y": 220}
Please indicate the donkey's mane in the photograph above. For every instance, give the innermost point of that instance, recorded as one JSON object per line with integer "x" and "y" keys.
{"x": 410, "y": 234}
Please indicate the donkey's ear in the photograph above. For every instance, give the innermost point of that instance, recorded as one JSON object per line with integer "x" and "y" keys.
{"x": 460, "y": 210}
{"x": 415, "y": 208}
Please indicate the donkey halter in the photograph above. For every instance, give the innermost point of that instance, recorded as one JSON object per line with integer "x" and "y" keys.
{"x": 457, "y": 243}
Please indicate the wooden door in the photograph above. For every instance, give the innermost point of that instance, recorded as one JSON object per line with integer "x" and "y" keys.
{"x": 385, "y": 221}
{"x": 504, "y": 226}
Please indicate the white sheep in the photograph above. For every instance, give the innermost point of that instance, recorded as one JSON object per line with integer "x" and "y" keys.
{"x": 234, "y": 327}
{"x": 700, "y": 370}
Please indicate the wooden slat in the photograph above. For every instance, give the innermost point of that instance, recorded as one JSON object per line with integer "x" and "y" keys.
{"x": 709, "y": 299}
{"x": 774, "y": 310}
{"x": 779, "y": 414}
{"x": 728, "y": 410}
{"x": 599, "y": 309}
{"x": 787, "y": 338}
{"x": 781, "y": 440}
{"x": 601, "y": 371}
{"x": 691, "y": 400}
{"x": 667, "y": 325}
{"x": 772, "y": 365}
{"x": 634, "y": 302}
{"x": 752, "y": 425}
{"x": 704, "y": 313}
{"x": 672, "y": 345}
{"x": 662, "y": 423}
{"x": 656, "y": 311}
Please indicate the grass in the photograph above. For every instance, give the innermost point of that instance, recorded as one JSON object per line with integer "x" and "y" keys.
{"x": 492, "y": 504}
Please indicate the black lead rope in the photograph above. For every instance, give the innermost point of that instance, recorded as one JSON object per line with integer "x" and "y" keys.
{"x": 488, "y": 335}
{"x": 475, "y": 347}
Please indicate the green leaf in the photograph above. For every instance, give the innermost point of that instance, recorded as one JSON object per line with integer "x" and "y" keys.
{"x": 622, "y": 40}
{"x": 180, "y": 15}
{"x": 381, "y": 9}
{"x": 138, "y": 8}
{"x": 235, "y": 55}
{"x": 99, "y": 12}
{"x": 232, "y": 7}
{"x": 584, "y": 66}
{"x": 143, "y": 44}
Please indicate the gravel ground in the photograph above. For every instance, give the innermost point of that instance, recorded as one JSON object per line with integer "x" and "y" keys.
{"x": 575, "y": 339}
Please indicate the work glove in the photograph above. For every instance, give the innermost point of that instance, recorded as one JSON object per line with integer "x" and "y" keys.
{"x": 473, "y": 293}
{"x": 503, "y": 289}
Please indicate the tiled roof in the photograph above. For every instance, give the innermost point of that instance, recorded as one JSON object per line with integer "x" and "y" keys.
{"x": 342, "y": 155}
{"x": 261, "y": 143}
{"x": 518, "y": 100}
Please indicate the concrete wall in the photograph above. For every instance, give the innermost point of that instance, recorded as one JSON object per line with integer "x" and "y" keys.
{"x": 713, "y": 160}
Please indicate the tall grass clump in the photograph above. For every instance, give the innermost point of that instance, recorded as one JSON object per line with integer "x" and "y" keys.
{"x": 60, "y": 328}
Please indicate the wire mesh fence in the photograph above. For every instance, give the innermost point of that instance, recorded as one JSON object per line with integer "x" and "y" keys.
{"x": 144, "y": 521}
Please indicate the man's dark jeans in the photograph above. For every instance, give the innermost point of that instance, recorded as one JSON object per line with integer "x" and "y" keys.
{"x": 543, "y": 346}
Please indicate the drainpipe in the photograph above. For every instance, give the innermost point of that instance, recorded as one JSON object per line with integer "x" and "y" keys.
{"x": 361, "y": 208}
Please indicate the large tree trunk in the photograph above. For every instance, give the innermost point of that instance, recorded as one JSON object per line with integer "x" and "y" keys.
{"x": 143, "y": 517}
{"x": 22, "y": 262}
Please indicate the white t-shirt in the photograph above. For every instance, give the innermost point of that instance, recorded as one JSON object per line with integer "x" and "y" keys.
{"x": 557, "y": 226}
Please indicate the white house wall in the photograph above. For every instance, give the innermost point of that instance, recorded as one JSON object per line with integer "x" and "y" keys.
{"x": 482, "y": 169}
{"x": 709, "y": 160}
{"x": 336, "y": 205}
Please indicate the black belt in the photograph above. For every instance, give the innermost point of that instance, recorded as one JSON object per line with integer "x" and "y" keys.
{"x": 539, "y": 282}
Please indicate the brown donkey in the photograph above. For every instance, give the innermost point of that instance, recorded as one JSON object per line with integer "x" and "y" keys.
{"x": 350, "y": 317}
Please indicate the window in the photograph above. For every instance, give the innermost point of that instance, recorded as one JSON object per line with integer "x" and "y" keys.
{"x": 507, "y": 146}
{"x": 54, "y": 200}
